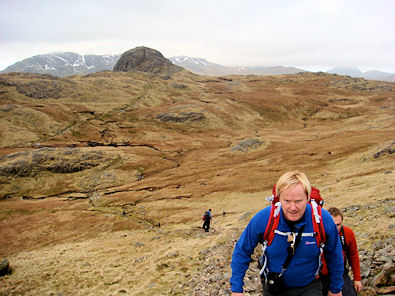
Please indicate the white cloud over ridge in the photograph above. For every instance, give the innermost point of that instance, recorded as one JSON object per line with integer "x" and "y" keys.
{"x": 310, "y": 33}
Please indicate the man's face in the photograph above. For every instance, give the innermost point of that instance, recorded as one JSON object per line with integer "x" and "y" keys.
{"x": 338, "y": 221}
{"x": 293, "y": 202}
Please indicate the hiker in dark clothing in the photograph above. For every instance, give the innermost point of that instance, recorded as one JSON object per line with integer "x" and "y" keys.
{"x": 207, "y": 218}
{"x": 350, "y": 255}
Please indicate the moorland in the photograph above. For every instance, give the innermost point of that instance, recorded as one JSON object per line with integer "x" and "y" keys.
{"x": 104, "y": 177}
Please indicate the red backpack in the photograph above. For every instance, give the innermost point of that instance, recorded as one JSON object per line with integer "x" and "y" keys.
{"x": 206, "y": 216}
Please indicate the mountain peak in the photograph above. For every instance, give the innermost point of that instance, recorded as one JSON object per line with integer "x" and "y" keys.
{"x": 350, "y": 71}
{"x": 146, "y": 60}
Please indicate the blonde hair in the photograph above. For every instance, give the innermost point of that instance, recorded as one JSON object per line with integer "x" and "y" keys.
{"x": 292, "y": 178}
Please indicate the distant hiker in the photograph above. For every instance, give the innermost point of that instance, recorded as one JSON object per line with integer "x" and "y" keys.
{"x": 156, "y": 225}
{"x": 206, "y": 218}
{"x": 350, "y": 255}
{"x": 289, "y": 231}
{"x": 223, "y": 214}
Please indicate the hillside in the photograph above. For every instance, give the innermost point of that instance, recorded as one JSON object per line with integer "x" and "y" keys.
{"x": 90, "y": 165}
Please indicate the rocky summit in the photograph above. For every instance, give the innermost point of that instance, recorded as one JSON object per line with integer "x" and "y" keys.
{"x": 145, "y": 59}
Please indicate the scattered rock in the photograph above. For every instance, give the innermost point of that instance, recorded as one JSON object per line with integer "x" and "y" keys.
{"x": 5, "y": 267}
{"x": 386, "y": 275}
{"x": 245, "y": 216}
{"x": 172, "y": 254}
{"x": 140, "y": 259}
{"x": 8, "y": 107}
{"x": 181, "y": 117}
{"x": 179, "y": 86}
{"x": 247, "y": 144}
{"x": 386, "y": 150}
{"x": 377, "y": 266}
{"x": 343, "y": 100}
{"x": 387, "y": 290}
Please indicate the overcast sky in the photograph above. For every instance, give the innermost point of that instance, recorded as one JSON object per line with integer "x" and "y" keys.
{"x": 310, "y": 34}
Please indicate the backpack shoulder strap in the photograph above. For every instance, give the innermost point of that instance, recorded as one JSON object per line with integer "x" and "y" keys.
{"x": 318, "y": 225}
{"x": 344, "y": 244}
{"x": 272, "y": 223}
{"x": 343, "y": 238}
{"x": 319, "y": 230}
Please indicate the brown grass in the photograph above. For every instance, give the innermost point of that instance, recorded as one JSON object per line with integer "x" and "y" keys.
{"x": 96, "y": 234}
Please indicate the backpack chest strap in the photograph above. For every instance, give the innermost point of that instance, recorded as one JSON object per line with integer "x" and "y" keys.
{"x": 305, "y": 234}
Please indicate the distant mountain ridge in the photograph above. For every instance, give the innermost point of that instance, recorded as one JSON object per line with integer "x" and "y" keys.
{"x": 69, "y": 63}
{"x": 355, "y": 72}
{"x": 204, "y": 67}
{"x": 64, "y": 64}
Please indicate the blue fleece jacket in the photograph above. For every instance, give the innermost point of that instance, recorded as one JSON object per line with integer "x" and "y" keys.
{"x": 305, "y": 262}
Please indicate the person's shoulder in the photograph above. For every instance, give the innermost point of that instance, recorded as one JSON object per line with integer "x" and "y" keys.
{"x": 325, "y": 214}
{"x": 265, "y": 211}
{"x": 260, "y": 219}
{"x": 262, "y": 214}
{"x": 327, "y": 218}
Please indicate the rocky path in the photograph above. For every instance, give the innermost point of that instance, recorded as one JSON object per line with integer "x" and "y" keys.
{"x": 212, "y": 279}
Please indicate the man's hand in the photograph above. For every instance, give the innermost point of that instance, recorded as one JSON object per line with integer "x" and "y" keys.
{"x": 358, "y": 286}
{"x": 237, "y": 294}
{"x": 334, "y": 294}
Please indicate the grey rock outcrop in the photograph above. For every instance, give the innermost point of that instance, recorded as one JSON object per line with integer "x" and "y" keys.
{"x": 55, "y": 160}
{"x": 145, "y": 59}
{"x": 387, "y": 150}
{"x": 247, "y": 144}
{"x": 181, "y": 117}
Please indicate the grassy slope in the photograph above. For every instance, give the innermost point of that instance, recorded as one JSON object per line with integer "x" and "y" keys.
{"x": 326, "y": 125}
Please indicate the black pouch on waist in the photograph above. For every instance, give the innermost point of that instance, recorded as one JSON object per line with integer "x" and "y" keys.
{"x": 274, "y": 282}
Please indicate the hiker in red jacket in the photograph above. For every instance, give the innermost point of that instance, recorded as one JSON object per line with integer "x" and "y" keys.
{"x": 350, "y": 255}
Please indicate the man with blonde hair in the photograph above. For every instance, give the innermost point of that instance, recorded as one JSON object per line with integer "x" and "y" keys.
{"x": 293, "y": 258}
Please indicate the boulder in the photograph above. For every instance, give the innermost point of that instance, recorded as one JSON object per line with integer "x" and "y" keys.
{"x": 4, "y": 267}
{"x": 145, "y": 59}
